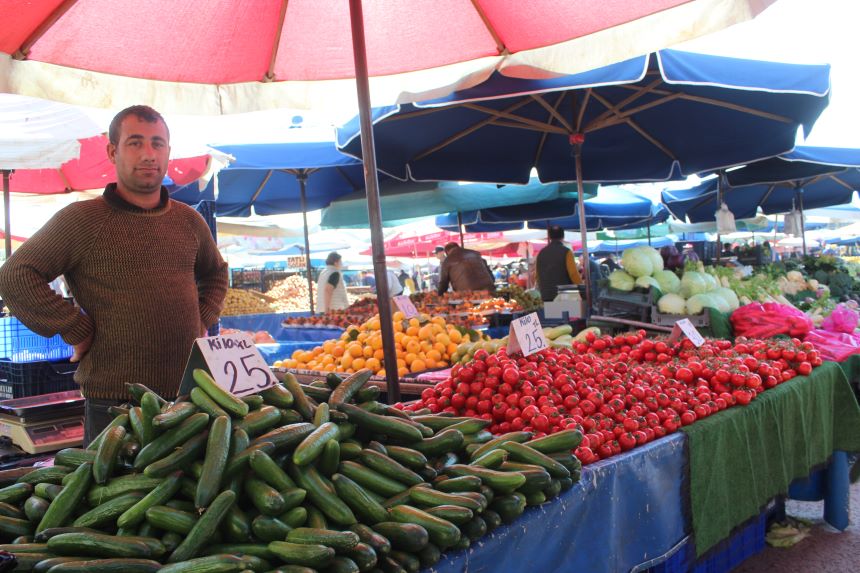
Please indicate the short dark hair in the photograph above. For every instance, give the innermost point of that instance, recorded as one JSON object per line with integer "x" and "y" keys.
{"x": 332, "y": 258}
{"x": 451, "y": 246}
{"x": 555, "y": 232}
{"x": 141, "y": 112}
{"x": 439, "y": 249}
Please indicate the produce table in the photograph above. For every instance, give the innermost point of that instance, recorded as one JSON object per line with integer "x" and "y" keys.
{"x": 289, "y": 338}
{"x": 625, "y": 511}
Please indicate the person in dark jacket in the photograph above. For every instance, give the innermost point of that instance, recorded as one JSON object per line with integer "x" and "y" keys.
{"x": 464, "y": 270}
{"x": 555, "y": 265}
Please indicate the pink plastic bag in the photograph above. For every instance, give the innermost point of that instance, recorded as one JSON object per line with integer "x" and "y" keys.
{"x": 835, "y": 346}
{"x": 842, "y": 319}
{"x": 758, "y": 320}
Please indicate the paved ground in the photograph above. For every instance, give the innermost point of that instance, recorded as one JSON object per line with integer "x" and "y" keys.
{"x": 824, "y": 551}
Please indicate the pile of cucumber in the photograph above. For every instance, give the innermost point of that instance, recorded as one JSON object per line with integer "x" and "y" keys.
{"x": 299, "y": 478}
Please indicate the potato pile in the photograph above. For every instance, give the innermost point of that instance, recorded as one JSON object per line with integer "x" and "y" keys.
{"x": 239, "y": 301}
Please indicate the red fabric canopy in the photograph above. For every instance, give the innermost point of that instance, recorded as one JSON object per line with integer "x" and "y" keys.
{"x": 93, "y": 170}
{"x": 419, "y": 246}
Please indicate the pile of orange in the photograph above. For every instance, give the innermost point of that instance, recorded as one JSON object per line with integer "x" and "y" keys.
{"x": 422, "y": 343}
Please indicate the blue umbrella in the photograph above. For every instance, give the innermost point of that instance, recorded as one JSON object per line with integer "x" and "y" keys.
{"x": 653, "y": 118}
{"x": 806, "y": 178}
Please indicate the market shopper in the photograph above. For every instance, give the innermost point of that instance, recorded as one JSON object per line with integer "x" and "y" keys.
{"x": 331, "y": 288}
{"x": 555, "y": 265}
{"x": 144, "y": 270}
{"x": 464, "y": 270}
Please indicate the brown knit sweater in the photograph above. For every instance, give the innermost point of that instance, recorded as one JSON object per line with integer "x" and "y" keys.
{"x": 146, "y": 280}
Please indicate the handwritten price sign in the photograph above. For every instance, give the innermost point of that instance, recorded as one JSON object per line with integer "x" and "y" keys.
{"x": 527, "y": 335}
{"x": 404, "y": 304}
{"x": 685, "y": 327}
{"x": 233, "y": 361}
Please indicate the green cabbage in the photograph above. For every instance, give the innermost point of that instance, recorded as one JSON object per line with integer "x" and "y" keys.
{"x": 621, "y": 281}
{"x": 698, "y": 302}
{"x": 668, "y": 281}
{"x": 710, "y": 282}
{"x": 729, "y": 296}
{"x": 656, "y": 259}
{"x": 671, "y": 304}
{"x": 693, "y": 283}
{"x": 638, "y": 262}
{"x": 647, "y": 282}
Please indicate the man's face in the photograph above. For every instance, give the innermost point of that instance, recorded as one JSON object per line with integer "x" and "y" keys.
{"x": 440, "y": 255}
{"x": 141, "y": 155}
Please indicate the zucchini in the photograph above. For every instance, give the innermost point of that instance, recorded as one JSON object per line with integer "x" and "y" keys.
{"x": 102, "y": 545}
{"x": 525, "y": 454}
{"x": 387, "y": 425}
{"x": 501, "y": 482}
{"x": 68, "y": 499}
{"x": 222, "y": 563}
{"x": 442, "y": 532}
{"x": 170, "y": 519}
{"x": 371, "y": 479}
{"x": 456, "y": 514}
{"x": 295, "y": 517}
{"x": 316, "y": 556}
{"x": 206, "y": 404}
{"x": 16, "y": 492}
{"x": 568, "y": 460}
{"x": 338, "y": 540}
{"x": 217, "y": 449}
{"x": 444, "y": 442}
{"x": 108, "y": 566}
{"x": 312, "y": 446}
{"x": 260, "y": 421}
{"x": 267, "y": 528}
{"x": 286, "y": 437}
{"x": 319, "y": 494}
{"x": 264, "y": 497}
{"x": 412, "y": 459}
{"x": 35, "y": 508}
{"x": 361, "y": 503}
{"x": 403, "y": 536}
{"x": 166, "y": 442}
{"x": 301, "y": 403}
{"x": 270, "y": 472}
{"x": 329, "y": 459}
{"x": 13, "y": 527}
{"x": 386, "y": 466}
{"x": 109, "y": 511}
{"x": 235, "y": 406}
{"x": 191, "y": 450}
{"x": 50, "y": 474}
{"x": 161, "y": 494}
{"x": 349, "y": 387}
{"x": 205, "y": 527}
{"x": 278, "y": 396}
{"x": 563, "y": 441}
{"x": 117, "y": 486}
{"x": 537, "y": 478}
{"x": 107, "y": 453}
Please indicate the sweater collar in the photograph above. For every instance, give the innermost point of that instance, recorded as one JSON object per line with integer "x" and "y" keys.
{"x": 117, "y": 202}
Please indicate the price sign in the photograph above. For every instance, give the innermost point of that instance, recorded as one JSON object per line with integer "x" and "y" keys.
{"x": 233, "y": 361}
{"x": 527, "y": 335}
{"x": 404, "y": 305}
{"x": 685, "y": 327}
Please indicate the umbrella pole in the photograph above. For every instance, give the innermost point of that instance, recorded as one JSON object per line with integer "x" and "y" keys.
{"x": 302, "y": 176}
{"x": 649, "y": 233}
{"x": 7, "y": 200}
{"x": 374, "y": 212}
{"x": 802, "y": 221}
{"x": 460, "y": 227}
{"x": 583, "y": 231}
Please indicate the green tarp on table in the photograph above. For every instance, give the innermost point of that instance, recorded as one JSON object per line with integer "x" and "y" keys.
{"x": 744, "y": 456}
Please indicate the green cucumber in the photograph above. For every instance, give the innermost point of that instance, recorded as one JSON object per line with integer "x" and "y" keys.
{"x": 121, "y": 420}
{"x": 143, "y": 432}
{"x": 278, "y": 396}
{"x": 350, "y": 450}
{"x": 290, "y": 416}
{"x": 16, "y": 492}
{"x": 260, "y": 421}
{"x": 553, "y": 489}
{"x": 442, "y": 532}
{"x": 316, "y": 556}
{"x": 315, "y": 394}
{"x": 464, "y": 424}
{"x": 430, "y": 555}
{"x": 537, "y": 478}
{"x": 102, "y": 545}
{"x": 474, "y": 529}
{"x": 267, "y": 528}
{"x": 188, "y": 452}
{"x": 35, "y": 508}
{"x": 363, "y": 555}
{"x": 237, "y": 463}
{"x": 293, "y": 497}
{"x": 563, "y": 441}
{"x": 321, "y": 415}
{"x": 138, "y": 390}
{"x": 47, "y": 490}
{"x": 9, "y": 510}
{"x": 379, "y": 543}
{"x": 50, "y": 474}
{"x": 120, "y": 565}
{"x": 260, "y": 550}
{"x": 166, "y": 442}
{"x": 264, "y": 497}
{"x": 206, "y": 404}
{"x": 312, "y": 446}
{"x": 518, "y": 437}
{"x": 44, "y": 535}
{"x": 150, "y": 407}
{"x": 217, "y": 449}
{"x": 456, "y": 514}
{"x": 68, "y": 499}
{"x": 162, "y": 493}
{"x": 270, "y": 472}
{"x": 566, "y": 483}
{"x": 295, "y": 517}
{"x": 235, "y": 406}
{"x": 254, "y": 401}
{"x": 205, "y": 527}
{"x": 444, "y": 442}
{"x": 174, "y": 416}
{"x": 319, "y": 494}
{"x": 388, "y": 467}
{"x": 403, "y": 536}
{"x": 412, "y": 459}
{"x": 109, "y": 511}
{"x": 459, "y": 484}
{"x": 342, "y": 564}
{"x": 371, "y": 479}
{"x": 535, "y": 498}
{"x": 568, "y": 460}
{"x": 491, "y": 518}
{"x": 407, "y": 561}
{"x": 428, "y": 497}
{"x": 73, "y": 457}
{"x": 171, "y": 540}
{"x": 349, "y": 387}
{"x": 222, "y": 563}
{"x": 117, "y": 486}
{"x": 237, "y": 525}
{"x": 358, "y": 499}
{"x": 509, "y": 507}
{"x": 502, "y": 482}
{"x": 301, "y": 403}
{"x": 337, "y": 540}
{"x": 525, "y": 454}
{"x": 329, "y": 459}
{"x": 106, "y": 455}
{"x": 387, "y": 425}
{"x": 170, "y": 519}
{"x": 28, "y": 561}
{"x": 13, "y": 527}
{"x": 286, "y": 437}
{"x": 492, "y": 459}
{"x": 45, "y": 565}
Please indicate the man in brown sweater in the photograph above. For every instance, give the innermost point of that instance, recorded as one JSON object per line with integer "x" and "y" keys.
{"x": 144, "y": 270}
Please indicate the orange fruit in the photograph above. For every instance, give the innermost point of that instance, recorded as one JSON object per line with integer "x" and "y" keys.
{"x": 355, "y": 350}
{"x": 397, "y": 316}
{"x": 443, "y": 338}
{"x": 455, "y": 336}
{"x": 402, "y": 371}
{"x": 337, "y": 351}
{"x": 413, "y": 347}
{"x": 367, "y": 351}
{"x": 346, "y": 360}
{"x": 372, "y": 363}
{"x": 410, "y": 358}
{"x": 430, "y": 363}
{"x": 418, "y": 366}
{"x": 379, "y": 354}
{"x": 412, "y": 331}
{"x": 358, "y": 363}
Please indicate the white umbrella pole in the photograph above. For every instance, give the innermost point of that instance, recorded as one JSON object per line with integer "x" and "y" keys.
{"x": 7, "y": 203}
{"x": 583, "y": 231}
{"x": 802, "y": 220}
{"x": 374, "y": 211}
{"x": 302, "y": 176}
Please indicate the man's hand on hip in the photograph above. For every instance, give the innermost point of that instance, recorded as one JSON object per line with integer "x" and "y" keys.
{"x": 81, "y": 349}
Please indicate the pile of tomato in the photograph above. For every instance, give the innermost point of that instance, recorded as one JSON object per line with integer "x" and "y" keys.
{"x": 620, "y": 392}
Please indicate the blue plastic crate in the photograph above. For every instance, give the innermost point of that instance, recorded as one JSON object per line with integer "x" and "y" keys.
{"x": 20, "y": 344}
{"x": 22, "y": 379}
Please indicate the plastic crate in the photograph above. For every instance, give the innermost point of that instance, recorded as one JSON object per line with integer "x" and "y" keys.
{"x": 702, "y": 320}
{"x": 22, "y": 379}
{"x": 20, "y": 344}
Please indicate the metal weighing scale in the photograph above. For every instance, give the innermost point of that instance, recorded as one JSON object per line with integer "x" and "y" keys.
{"x": 45, "y": 423}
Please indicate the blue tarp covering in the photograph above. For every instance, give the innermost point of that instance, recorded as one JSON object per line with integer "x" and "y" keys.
{"x": 820, "y": 177}
{"x": 290, "y": 338}
{"x": 678, "y": 128}
{"x": 625, "y": 511}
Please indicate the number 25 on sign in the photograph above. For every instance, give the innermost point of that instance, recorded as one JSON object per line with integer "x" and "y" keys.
{"x": 527, "y": 335}
{"x": 234, "y": 362}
